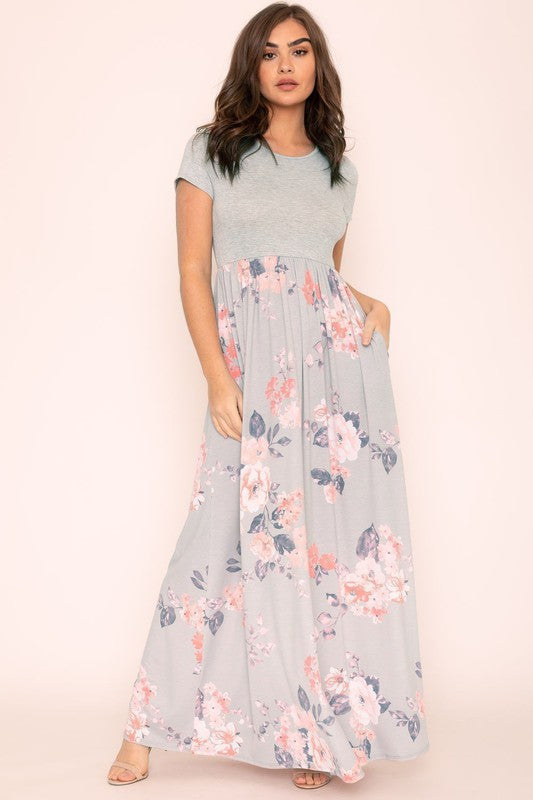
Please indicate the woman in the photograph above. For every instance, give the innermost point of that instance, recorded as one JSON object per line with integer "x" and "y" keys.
{"x": 285, "y": 633}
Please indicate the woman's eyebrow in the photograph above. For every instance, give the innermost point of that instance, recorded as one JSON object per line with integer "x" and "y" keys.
{"x": 290, "y": 44}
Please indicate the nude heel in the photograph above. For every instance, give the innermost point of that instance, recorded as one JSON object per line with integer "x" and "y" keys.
{"x": 139, "y": 776}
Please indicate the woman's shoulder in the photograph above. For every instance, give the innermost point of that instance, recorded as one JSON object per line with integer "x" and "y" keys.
{"x": 196, "y": 144}
{"x": 194, "y": 166}
{"x": 349, "y": 169}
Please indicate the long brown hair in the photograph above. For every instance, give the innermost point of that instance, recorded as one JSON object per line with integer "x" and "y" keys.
{"x": 242, "y": 113}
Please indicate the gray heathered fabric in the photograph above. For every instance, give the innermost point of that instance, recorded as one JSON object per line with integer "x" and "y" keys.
{"x": 250, "y": 217}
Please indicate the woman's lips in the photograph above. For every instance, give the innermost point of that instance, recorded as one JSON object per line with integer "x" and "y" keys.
{"x": 287, "y": 86}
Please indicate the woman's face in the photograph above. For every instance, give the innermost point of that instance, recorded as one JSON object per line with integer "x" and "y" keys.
{"x": 287, "y": 56}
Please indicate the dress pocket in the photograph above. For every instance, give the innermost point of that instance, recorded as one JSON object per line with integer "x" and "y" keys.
{"x": 380, "y": 338}
{"x": 377, "y": 335}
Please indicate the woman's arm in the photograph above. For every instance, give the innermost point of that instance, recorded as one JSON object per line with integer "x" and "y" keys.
{"x": 194, "y": 235}
{"x": 377, "y": 313}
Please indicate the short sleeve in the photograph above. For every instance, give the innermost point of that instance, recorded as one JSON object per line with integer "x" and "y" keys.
{"x": 194, "y": 165}
{"x": 350, "y": 188}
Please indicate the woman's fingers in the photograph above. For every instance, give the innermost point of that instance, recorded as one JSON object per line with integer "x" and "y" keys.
{"x": 227, "y": 430}
{"x": 376, "y": 319}
{"x": 368, "y": 331}
{"x": 234, "y": 416}
{"x": 229, "y": 422}
{"x": 366, "y": 334}
{"x": 219, "y": 427}
{"x": 233, "y": 423}
{"x": 226, "y": 405}
{"x": 239, "y": 403}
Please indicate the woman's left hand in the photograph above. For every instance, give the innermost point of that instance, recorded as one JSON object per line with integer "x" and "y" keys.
{"x": 378, "y": 318}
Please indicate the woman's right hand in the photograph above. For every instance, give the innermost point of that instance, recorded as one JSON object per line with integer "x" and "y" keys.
{"x": 225, "y": 405}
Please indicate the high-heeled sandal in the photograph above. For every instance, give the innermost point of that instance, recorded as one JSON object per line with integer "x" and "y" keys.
{"x": 310, "y": 785}
{"x": 139, "y": 776}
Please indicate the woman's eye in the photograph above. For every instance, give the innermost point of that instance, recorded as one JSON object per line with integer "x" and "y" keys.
{"x": 301, "y": 50}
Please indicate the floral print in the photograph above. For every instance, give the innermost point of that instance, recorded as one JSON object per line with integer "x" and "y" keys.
{"x": 294, "y": 731}
{"x": 285, "y": 630}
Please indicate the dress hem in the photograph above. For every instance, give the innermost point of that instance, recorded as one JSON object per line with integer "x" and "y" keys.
{"x": 255, "y": 763}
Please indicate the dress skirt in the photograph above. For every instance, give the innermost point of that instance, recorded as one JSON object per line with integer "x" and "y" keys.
{"x": 285, "y": 630}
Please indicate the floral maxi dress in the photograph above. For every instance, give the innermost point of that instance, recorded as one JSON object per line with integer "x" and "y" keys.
{"x": 285, "y": 629}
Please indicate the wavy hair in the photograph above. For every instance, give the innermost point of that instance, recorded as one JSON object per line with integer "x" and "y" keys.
{"x": 242, "y": 113}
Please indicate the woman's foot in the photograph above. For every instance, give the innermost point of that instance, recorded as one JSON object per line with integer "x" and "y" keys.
{"x": 310, "y": 777}
{"x": 132, "y": 753}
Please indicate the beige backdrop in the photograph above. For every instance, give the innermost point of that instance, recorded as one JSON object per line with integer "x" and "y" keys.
{"x": 103, "y": 398}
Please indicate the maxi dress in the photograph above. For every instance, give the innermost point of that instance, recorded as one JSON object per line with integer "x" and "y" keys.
{"x": 285, "y": 629}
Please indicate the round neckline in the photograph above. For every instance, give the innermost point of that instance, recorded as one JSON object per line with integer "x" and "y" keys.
{"x": 313, "y": 152}
{"x": 297, "y": 158}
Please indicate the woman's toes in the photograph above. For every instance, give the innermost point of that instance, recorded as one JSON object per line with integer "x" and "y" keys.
{"x": 311, "y": 777}
{"x": 317, "y": 778}
{"x": 121, "y": 774}
{"x": 125, "y": 775}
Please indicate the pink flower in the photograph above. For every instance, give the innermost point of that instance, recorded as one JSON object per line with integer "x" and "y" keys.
{"x": 290, "y": 739}
{"x": 365, "y": 590}
{"x": 226, "y": 740}
{"x": 277, "y": 391}
{"x": 298, "y": 556}
{"x": 262, "y": 546}
{"x": 320, "y": 752}
{"x": 243, "y": 272}
{"x": 342, "y": 325}
{"x": 352, "y": 590}
{"x": 216, "y": 705}
{"x": 270, "y": 262}
{"x": 200, "y": 741}
{"x": 312, "y": 556}
{"x": 253, "y": 450}
{"x": 289, "y": 508}
{"x": 290, "y": 416}
{"x": 198, "y": 644}
{"x": 342, "y": 438}
{"x": 336, "y": 680}
{"x": 364, "y": 701}
{"x": 197, "y": 496}
{"x": 356, "y": 773}
{"x": 397, "y": 586}
{"x": 271, "y": 280}
{"x": 336, "y": 467}
{"x": 191, "y": 611}
{"x": 136, "y": 727}
{"x": 310, "y": 289}
{"x": 234, "y": 596}
{"x": 224, "y": 323}
{"x": 331, "y": 492}
{"x": 321, "y": 411}
{"x": 390, "y": 547}
{"x": 327, "y": 561}
{"x": 255, "y": 486}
